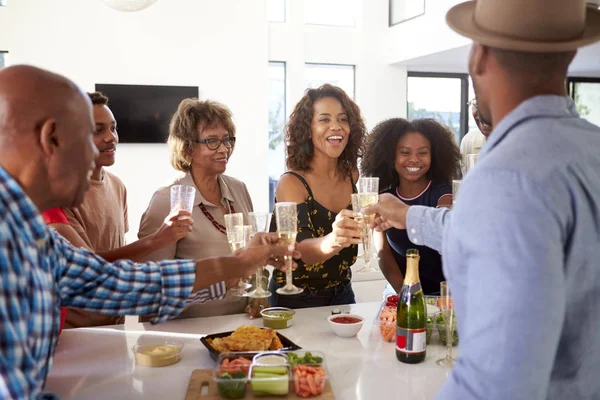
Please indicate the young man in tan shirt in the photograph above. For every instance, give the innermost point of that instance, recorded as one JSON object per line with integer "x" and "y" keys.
{"x": 100, "y": 222}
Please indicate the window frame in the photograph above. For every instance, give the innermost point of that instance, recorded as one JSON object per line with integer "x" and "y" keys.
{"x": 285, "y": 117}
{"x": 571, "y": 83}
{"x": 4, "y": 53}
{"x": 354, "y": 26}
{"x": 341, "y": 65}
{"x": 277, "y": 22}
{"x": 464, "y": 94}
{"x": 394, "y": 23}
{"x": 572, "y": 80}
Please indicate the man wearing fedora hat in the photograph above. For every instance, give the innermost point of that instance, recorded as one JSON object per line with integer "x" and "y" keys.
{"x": 521, "y": 247}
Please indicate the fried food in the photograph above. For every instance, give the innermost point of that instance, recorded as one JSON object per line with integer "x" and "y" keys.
{"x": 248, "y": 338}
{"x": 276, "y": 344}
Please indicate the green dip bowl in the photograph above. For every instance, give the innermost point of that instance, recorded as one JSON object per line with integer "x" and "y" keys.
{"x": 277, "y": 317}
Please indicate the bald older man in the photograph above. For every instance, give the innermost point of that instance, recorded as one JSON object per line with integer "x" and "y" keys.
{"x": 47, "y": 156}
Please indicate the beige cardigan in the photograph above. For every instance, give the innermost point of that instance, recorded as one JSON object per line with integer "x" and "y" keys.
{"x": 204, "y": 241}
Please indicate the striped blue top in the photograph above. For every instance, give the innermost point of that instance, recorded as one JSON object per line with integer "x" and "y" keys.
{"x": 40, "y": 271}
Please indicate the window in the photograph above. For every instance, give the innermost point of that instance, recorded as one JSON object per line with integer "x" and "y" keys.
{"x": 2, "y": 3}
{"x": 3, "y": 59}
{"x": 586, "y": 95}
{"x": 448, "y": 105}
{"x": 276, "y": 10}
{"x": 331, "y": 12}
{"x": 277, "y": 117}
{"x": 336, "y": 74}
{"x": 472, "y": 124}
{"x": 403, "y": 10}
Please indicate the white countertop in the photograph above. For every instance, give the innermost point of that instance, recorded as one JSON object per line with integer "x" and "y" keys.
{"x": 97, "y": 363}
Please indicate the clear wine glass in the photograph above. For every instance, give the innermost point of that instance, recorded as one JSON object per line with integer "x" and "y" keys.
{"x": 245, "y": 233}
{"x": 455, "y": 189}
{"x": 286, "y": 217}
{"x": 447, "y": 309}
{"x": 259, "y": 222}
{"x": 368, "y": 195}
{"x": 234, "y": 225}
{"x": 368, "y": 184}
{"x": 366, "y": 235}
{"x": 472, "y": 160}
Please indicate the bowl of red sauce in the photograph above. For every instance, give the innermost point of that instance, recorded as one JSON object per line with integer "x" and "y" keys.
{"x": 346, "y": 325}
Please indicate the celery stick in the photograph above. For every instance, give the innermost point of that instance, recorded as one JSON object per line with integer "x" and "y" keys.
{"x": 271, "y": 370}
{"x": 275, "y": 385}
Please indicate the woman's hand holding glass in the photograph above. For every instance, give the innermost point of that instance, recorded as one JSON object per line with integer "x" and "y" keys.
{"x": 346, "y": 230}
{"x": 176, "y": 226}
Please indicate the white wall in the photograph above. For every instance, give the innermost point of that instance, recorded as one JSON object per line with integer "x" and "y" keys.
{"x": 423, "y": 35}
{"x": 380, "y": 87}
{"x": 219, "y": 46}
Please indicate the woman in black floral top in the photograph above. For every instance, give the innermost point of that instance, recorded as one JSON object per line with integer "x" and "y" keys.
{"x": 324, "y": 139}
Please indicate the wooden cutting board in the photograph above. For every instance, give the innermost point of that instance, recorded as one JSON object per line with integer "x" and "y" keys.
{"x": 201, "y": 381}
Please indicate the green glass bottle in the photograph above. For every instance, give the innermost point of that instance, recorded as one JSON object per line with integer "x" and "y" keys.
{"x": 411, "y": 321}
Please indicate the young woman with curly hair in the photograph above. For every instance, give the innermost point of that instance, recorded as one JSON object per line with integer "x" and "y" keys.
{"x": 324, "y": 139}
{"x": 415, "y": 161}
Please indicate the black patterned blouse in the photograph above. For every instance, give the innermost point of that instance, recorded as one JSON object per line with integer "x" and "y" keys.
{"x": 315, "y": 221}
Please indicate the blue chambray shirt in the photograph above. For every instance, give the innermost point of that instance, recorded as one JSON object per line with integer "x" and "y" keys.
{"x": 40, "y": 271}
{"x": 521, "y": 251}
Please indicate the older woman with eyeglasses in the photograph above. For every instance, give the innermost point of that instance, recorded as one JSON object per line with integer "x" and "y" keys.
{"x": 201, "y": 139}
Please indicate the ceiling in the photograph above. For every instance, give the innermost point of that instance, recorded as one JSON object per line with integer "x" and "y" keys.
{"x": 586, "y": 63}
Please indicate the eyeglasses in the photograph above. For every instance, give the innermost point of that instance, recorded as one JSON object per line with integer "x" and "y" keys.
{"x": 214, "y": 143}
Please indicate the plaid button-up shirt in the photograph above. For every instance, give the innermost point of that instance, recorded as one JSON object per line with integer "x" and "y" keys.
{"x": 40, "y": 271}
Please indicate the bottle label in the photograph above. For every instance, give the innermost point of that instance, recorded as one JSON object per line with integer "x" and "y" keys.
{"x": 411, "y": 341}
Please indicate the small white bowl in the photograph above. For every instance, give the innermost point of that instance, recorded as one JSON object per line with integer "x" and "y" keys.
{"x": 346, "y": 330}
{"x": 157, "y": 351}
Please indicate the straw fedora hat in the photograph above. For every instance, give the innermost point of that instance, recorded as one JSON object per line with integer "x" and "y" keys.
{"x": 539, "y": 26}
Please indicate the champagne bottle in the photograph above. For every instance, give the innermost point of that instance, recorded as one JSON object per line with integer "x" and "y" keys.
{"x": 411, "y": 321}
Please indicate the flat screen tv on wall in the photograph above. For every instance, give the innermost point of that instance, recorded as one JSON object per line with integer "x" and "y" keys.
{"x": 143, "y": 112}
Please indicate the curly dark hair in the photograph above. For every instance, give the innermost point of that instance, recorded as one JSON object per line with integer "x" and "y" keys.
{"x": 380, "y": 154}
{"x": 98, "y": 98}
{"x": 299, "y": 145}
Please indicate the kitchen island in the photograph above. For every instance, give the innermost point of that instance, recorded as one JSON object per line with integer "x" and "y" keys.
{"x": 97, "y": 363}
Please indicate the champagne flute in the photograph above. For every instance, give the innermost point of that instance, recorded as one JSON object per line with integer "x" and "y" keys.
{"x": 244, "y": 233}
{"x": 447, "y": 308}
{"x": 368, "y": 184}
{"x": 368, "y": 195}
{"x": 241, "y": 237}
{"x": 260, "y": 223}
{"x": 234, "y": 225}
{"x": 286, "y": 217}
{"x": 366, "y": 233}
{"x": 455, "y": 188}
{"x": 472, "y": 159}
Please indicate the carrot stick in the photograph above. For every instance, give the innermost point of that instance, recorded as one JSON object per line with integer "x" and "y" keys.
{"x": 304, "y": 387}
{"x": 311, "y": 384}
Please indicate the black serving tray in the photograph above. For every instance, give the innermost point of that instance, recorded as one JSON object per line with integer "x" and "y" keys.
{"x": 288, "y": 345}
